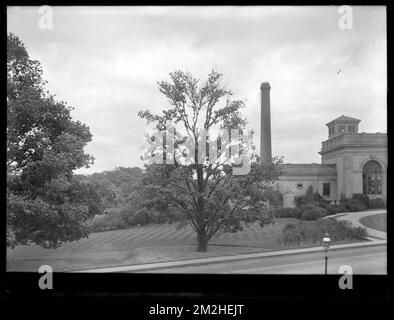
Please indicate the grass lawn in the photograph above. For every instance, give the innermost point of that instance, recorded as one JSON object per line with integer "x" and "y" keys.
{"x": 145, "y": 244}
{"x": 376, "y": 221}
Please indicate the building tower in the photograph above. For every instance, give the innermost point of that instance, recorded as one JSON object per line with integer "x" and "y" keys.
{"x": 265, "y": 123}
{"x": 360, "y": 158}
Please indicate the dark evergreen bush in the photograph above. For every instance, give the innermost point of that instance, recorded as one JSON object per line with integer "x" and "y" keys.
{"x": 354, "y": 205}
{"x": 362, "y": 198}
{"x": 288, "y": 213}
{"x": 335, "y": 208}
{"x": 377, "y": 203}
{"x": 312, "y": 232}
{"x": 312, "y": 214}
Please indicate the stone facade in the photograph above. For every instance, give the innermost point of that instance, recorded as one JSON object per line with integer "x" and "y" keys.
{"x": 342, "y": 172}
{"x": 296, "y": 178}
{"x": 350, "y": 152}
{"x": 351, "y": 162}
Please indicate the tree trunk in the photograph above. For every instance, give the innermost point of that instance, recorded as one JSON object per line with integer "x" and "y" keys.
{"x": 202, "y": 242}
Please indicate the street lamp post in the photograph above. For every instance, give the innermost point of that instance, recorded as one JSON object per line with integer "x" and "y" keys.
{"x": 326, "y": 247}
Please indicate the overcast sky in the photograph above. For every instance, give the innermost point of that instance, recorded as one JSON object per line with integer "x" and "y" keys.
{"x": 105, "y": 62}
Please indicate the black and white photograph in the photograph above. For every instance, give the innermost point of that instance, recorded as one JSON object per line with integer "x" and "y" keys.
{"x": 196, "y": 140}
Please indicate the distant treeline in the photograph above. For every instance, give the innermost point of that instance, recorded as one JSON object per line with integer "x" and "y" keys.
{"x": 125, "y": 203}
{"x": 119, "y": 185}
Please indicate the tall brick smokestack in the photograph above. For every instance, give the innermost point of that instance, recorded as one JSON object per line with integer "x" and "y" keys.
{"x": 265, "y": 123}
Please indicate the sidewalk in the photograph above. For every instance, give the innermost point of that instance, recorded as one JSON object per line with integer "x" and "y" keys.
{"x": 354, "y": 218}
{"x": 150, "y": 266}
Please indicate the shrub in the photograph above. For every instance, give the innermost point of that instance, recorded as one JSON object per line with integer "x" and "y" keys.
{"x": 310, "y": 197}
{"x": 308, "y": 206}
{"x": 109, "y": 221}
{"x": 354, "y": 205}
{"x": 312, "y": 232}
{"x": 274, "y": 196}
{"x": 343, "y": 208}
{"x": 334, "y": 209}
{"x": 288, "y": 213}
{"x": 174, "y": 215}
{"x": 362, "y": 198}
{"x": 322, "y": 205}
{"x": 130, "y": 216}
{"x": 312, "y": 214}
{"x": 141, "y": 217}
{"x": 377, "y": 203}
{"x": 314, "y": 205}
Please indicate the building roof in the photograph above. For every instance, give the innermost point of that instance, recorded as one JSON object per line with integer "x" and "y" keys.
{"x": 355, "y": 140}
{"x": 308, "y": 169}
{"x": 343, "y": 118}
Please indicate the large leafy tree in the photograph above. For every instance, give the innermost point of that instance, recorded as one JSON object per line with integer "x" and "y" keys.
{"x": 120, "y": 184}
{"x": 45, "y": 203}
{"x": 204, "y": 189}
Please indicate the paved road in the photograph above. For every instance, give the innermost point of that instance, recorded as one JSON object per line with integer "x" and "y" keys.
{"x": 364, "y": 260}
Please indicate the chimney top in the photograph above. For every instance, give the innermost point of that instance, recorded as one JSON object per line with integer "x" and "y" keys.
{"x": 265, "y": 85}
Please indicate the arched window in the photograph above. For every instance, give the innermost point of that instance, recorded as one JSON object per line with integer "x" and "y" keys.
{"x": 372, "y": 178}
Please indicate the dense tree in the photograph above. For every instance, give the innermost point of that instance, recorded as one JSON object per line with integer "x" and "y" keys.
{"x": 45, "y": 203}
{"x": 120, "y": 184}
{"x": 206, "y": 189}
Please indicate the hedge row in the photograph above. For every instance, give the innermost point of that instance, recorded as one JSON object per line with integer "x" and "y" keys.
{"x": 128, "y": 217}
{"x": 376, "y": 203}
{"x": 318, "y": 209}
{"x": 310, "y": 232}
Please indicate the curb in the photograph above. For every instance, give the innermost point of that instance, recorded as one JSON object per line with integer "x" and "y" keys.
{"x": 202, "y": 261}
